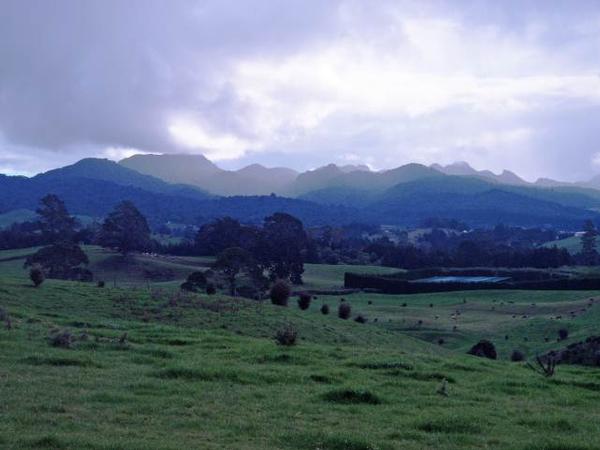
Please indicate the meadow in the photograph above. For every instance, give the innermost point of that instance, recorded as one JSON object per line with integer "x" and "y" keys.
{"x": 151, "y": 367}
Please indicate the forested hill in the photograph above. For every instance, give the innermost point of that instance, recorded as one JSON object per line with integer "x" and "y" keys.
{"x": 92, "y": 187}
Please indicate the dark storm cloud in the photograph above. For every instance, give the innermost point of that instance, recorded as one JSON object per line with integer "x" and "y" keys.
{"x": 501, "y": 84}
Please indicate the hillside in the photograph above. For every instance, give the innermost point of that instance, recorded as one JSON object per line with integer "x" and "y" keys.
{"x": 152, "y": 368}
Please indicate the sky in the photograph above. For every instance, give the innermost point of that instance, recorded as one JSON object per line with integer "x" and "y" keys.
{"x": 302, "y": 83}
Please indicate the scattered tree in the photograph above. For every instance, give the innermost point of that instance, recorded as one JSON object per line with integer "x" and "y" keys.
{"x": 281, "y": 248}
{"x": 233, "y": 261}
{"x": 588, "y": 243}
{"x": 325, "y": 309}
{"x": 125, "y": 229}
{"x": 54, "y": 219}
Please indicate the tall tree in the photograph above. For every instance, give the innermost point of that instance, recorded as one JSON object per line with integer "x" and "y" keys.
{"x": 125, "y": 229}
{"x": 282, "y": 246}
{"x": 588, "y": 243}
{"x": 55, "y": 221}
{"x": 233, "y": 262}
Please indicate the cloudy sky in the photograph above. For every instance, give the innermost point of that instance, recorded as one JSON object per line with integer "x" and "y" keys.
{"x": 500, "y": 84}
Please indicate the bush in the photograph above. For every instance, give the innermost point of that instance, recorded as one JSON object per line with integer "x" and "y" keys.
{"x": 304, "y": 301}
{"x": 563, "y": 334}
{"x": 344, "y": 311}
{"x": 197, "y": 278}
{"x": 325, "y": 309}
{"x": 517, "y": 356}
{"x": 360, "y": 319}
{"x": 187, "y": 286}
{"x": 100, "y": 283}
{"x": 484, "y": 349}
{"x": 280, "y": 293}
{"x": 63, "y": 340}
{"x": 211, "y": 289}
{"x": 286, "y": 336}
{"x": 36, "y": 274}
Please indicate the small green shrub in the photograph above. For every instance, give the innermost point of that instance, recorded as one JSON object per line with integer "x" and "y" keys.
{"x": 325, "y": 309}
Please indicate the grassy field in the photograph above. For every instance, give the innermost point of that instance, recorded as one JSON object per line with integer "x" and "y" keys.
{"x": 151, "y": 368}
{"x": 572, "y": 244}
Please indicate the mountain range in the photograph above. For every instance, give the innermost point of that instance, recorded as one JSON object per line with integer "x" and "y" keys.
{"x": 190, "y": 189}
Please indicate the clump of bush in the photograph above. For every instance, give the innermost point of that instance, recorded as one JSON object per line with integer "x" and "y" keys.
{"x": 63, "y": 339}
{"x": 195, "y": 282}
{"x": 517, "y": 356}
{"x": 304, "y": 301}
{"x": 344, "y": 311}
{"x": 484, "y": 349}
{"x": 286, "y": 336}
{"x": 563, "y": 334}
{"x": 325, "y": 309}
{"x": 360, "y": 319}
{"x": 100, "y": 283}
{"x": 280, "y": 293}
{"x": 211, "y": 289}
{"x": 36, "y": 275}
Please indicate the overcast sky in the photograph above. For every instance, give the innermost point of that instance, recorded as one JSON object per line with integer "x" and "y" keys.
{"x": 301, "y": 83}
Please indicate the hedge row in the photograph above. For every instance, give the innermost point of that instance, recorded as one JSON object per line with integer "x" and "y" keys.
{"x": 397, "y": 286}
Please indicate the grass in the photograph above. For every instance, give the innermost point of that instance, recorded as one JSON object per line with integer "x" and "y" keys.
{"x": 205, "y": 372}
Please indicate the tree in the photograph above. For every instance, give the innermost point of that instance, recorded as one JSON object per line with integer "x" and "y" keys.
{"x": 125, "y": 229}
{"x": 588, "y": 243}
{"x": 233, "y": 261}
{"x": 54, "y": 219}
{"x": 281, "y": 248}
{"x": 63, "y": 259}
{"x": 214, "y": 237}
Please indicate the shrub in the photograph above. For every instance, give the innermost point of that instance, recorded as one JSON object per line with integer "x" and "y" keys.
{"x": 350, "y": 396}
{"x": 64, "y": 340}
{"x": 286, "y": 336}
{"x": 563, "y": 334}
{"x": 36, "y": 274}
{"x": 484, "y": 349}
{"x": 211, "y": 289}
{"x": 198, "y": 278}
{"x": 304, "y": 301}
{"x": 280, "y": 293}
{"x": 100, "y": 283}
{"x": 344, "y": 311}
{"x": 325, "y": 309}
{"x": 441, "y": 341}
{"x": 187, "y": 286}
{"x": 517, "y": 356}
{"x": 360, "y": 319}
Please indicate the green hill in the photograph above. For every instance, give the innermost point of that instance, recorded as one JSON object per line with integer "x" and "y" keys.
{"x": 150, "y": 367}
